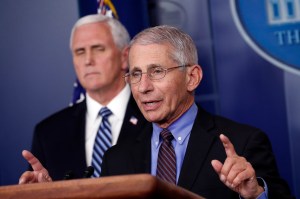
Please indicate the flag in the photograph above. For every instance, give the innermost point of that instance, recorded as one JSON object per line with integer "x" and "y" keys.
{"x": 78, "y": 93}
{"x": 106, "y": 7}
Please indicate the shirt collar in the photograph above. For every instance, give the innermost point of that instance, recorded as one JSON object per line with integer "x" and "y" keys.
{"x": 117, "y": 105}
{"x": 181, "y": 128}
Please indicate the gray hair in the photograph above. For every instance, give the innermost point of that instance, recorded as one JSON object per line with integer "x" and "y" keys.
{"x": 119, "y": 33}
{"x": 183, "y": 51}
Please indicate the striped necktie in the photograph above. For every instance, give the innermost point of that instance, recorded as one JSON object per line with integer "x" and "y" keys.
{"x": 166, "y": 162}
{"x": 103, "y": 141}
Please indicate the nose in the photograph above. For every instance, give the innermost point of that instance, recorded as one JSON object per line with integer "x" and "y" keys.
{"x": 89, "y": 58}
{"x": 145, "y": 85}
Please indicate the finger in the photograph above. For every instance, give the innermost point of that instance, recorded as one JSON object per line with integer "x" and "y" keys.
{"x": 217, "y": 165}
{"x": 26, "y": 177}
{"x": 240, "y": 165}
{"x": 234, "y": 178}
{"x": 227, "y": 166}
{"x": 248, "y": 174}
{"x": 32, "y": 160}
{"x": 229, "y": 148}
{"x": 42, "y": 177}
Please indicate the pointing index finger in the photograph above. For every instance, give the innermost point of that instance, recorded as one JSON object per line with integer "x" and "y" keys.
{"x": 229, "y": 148}
{"x": 32, "y": 160}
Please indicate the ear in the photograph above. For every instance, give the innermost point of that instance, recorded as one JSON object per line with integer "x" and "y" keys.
{"x": 124, "y": 57}
{"x": 194, "y": 77}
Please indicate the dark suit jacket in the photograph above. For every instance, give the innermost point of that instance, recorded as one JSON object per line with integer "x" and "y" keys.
{"x": 59, "y": 140}
{"x": 197, "y": 174}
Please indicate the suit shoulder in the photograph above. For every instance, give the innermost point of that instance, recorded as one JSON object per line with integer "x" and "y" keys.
{"x": 240, "y": 133}
{"x": 63, "y": 115}
{"x": 216, "y": 125}
{"x": 133, "y": 109}
{"x": 229, "y": 123}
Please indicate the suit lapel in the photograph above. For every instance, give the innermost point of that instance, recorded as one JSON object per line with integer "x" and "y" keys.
{"x": 142, "y": 151}
{"x": 198, "y": 147}
{"x": 77, "y": 139}
{"x": 133, "y": 122}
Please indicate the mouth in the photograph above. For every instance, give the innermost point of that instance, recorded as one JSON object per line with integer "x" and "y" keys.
{"x": 91, "y": 74}
{"x": 151, "y": 105}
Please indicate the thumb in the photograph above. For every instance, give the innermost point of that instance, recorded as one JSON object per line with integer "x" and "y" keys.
{"x": 217, "y": 165}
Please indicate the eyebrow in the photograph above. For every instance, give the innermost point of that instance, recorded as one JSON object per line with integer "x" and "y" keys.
{"x": 135, "y": 68}
{"x": 98, "y": 45}
{"x": 153, "y": 66}
{"x": 148, "y": 66}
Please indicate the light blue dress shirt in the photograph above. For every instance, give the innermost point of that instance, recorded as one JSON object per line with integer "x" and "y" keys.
{"x": 181, "y": 130}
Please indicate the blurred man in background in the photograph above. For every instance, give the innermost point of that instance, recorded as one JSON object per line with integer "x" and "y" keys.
{"x": 65, "y": 141}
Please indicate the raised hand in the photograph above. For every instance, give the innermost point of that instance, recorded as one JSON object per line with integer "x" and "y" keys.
{"x": 39, "y": 173}
{"x": 236, "y": 173}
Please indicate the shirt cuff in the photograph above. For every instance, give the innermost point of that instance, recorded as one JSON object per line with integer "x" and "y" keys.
{"x": 262, "y": 182}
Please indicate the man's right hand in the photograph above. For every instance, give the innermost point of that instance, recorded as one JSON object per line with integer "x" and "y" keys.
{"x": 39, "y": 173}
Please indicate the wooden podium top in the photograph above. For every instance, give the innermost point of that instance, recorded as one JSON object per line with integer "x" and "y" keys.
{"x": 121, "y": 187}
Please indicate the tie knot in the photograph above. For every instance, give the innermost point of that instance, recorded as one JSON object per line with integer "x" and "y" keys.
{"x": 105, "y": 112}
{"x": 166, "y": 135}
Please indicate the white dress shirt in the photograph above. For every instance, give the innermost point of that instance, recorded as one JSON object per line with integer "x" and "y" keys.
{"x": 117, "y": 106}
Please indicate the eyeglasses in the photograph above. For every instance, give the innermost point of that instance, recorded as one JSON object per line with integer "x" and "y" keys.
{"x": 153, "y": 73}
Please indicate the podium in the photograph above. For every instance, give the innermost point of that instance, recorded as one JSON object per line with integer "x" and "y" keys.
{"x": 117, "y": 187}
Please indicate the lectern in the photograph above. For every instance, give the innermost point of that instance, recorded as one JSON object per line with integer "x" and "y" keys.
{"x": 117, "y": 187}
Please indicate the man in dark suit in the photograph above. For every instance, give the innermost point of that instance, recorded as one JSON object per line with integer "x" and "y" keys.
{"x": 64, "y": 141}
{"x": 185, "y": 145}
{"x": 59, "y": 141}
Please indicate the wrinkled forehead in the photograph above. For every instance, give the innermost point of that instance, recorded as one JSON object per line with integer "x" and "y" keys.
{"x": 143, "y": 56}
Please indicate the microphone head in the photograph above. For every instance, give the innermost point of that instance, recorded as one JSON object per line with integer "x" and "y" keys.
{"x": 88, "y": 172}
{"x": 68, "y": 175}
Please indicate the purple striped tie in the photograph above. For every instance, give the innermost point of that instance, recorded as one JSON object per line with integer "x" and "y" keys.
{"x": 102, "y": 141}
{"x": 166, "y": 162}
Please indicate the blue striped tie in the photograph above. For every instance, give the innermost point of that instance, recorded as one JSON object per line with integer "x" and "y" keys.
{"x": 166, "y": 161}
{"x": 102, "y": 142}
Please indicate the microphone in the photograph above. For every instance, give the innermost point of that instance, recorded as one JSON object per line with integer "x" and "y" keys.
{"x": 69, "y": 175}
{"x": 88, "y": 172}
